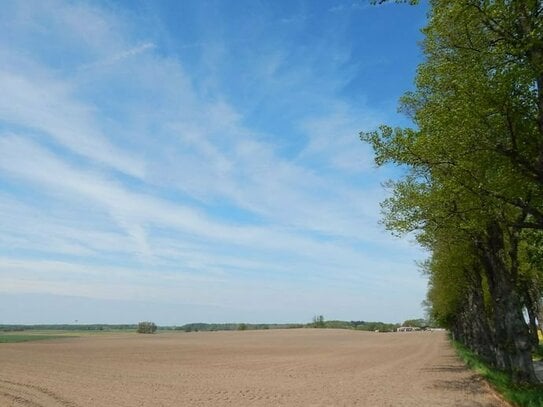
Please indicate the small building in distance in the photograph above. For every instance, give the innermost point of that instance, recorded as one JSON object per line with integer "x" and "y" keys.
{"x": 407, "y": 329}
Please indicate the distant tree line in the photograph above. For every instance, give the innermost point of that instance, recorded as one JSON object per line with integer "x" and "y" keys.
{"x": 367, "y": 325}
{"x": 134, "y": 327}
{"x": 317, "y": 322}
{"x": 205, "y": 327}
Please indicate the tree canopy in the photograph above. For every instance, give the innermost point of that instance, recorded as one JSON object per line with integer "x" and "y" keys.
{"x": 473, "y": 191}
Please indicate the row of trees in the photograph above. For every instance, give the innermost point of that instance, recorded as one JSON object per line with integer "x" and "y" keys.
{"x": 195, "y": 327}
{"x": 473, "y": 185}
{"x": 320, "y": 322}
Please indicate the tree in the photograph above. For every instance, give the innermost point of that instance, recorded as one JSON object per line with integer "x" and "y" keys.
{"x": 531, "y": 254}
{"x": 475, "y": 167}
{"x": 146, "y": 327}
{"x": 418, "y": 323}
{"x": 318, "y": 321}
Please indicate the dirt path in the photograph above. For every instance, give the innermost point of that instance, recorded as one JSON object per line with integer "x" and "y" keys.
{"x": 306, "y": 367}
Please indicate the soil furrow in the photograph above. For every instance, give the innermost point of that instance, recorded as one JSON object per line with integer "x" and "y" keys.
{"x": 304, "y": 367}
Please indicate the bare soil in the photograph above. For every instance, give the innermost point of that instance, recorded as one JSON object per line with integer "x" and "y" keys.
{"x": 304, "y": 367}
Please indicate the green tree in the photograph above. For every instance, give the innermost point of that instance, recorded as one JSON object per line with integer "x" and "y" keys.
{"x": 146, "y": 327}
{"x": 475, "y": 162}
{"x": 318, "y": 321}
{"x": 418, "y": 323}
{"x": 531, "y": 278}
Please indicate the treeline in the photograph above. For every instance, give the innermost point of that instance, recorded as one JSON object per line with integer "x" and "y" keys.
{"x": 362, "y": 325}
{"x": 317, "y": 323}
{"x": 472, "y": 192}
{"x": 200, "y": 326}
{"x": 205, "y": 327}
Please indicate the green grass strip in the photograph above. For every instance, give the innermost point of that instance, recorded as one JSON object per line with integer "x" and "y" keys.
{"x": 521, "y": 396}
{"x": 16, "y": 338}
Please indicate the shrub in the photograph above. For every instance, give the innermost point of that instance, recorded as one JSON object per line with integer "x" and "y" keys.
{"x": 147, "y": 327}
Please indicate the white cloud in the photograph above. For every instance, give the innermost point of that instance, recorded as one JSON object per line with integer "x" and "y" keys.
{"x": 119, "y": 56}
{"x": 131, "y": 160}
{"x": 126, "y": 207}
{"x": 45, "y": 105}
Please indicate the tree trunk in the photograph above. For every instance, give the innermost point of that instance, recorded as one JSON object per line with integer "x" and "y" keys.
{"x": 533, "y": 329}
{"x": 511, "y": 331}
{"x": 483, "y": 342}
{"x": 532, "y": 308}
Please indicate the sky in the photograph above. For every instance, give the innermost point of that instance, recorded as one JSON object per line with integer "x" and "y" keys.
{"x": 200, "y": 161}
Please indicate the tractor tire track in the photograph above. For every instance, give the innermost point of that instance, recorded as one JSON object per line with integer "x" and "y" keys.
{"x": 31, "y": 395}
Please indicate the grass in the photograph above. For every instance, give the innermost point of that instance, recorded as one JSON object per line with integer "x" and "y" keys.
{"x": 15, "y": 338}
{"x": 521, "y": 396}
{"x": 28, "y": 335}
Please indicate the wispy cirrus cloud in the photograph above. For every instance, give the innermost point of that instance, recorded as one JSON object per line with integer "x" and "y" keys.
{"x": 119, "y": 56}
{"x": 44, "y": 105}
{"x": 130, "y": 166}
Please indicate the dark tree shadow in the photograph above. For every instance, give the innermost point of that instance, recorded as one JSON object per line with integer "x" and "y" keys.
{"x": 446, "y": 368}
{"x": 470, "y": 385}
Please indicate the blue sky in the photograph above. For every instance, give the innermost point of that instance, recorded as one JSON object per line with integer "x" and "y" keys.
{"x": 200, "y": 161}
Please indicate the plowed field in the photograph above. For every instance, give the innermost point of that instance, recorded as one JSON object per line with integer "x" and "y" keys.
{"x": 305, "y": 367}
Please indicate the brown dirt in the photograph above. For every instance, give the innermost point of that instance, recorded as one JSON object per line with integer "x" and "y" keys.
{"x": 305, "y": 367}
